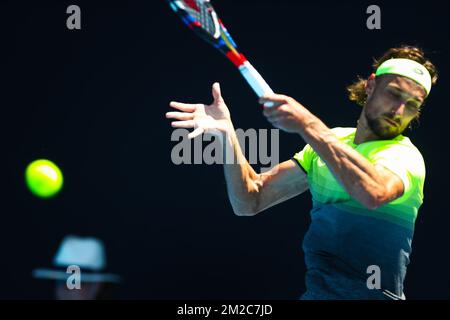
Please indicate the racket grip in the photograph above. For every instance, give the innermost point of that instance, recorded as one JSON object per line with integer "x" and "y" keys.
{"x": 254, "y": 79}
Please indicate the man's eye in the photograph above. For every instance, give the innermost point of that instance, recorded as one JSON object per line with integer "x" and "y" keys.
{"x": 413, "y": 105}
{"x": 394, "y": 94}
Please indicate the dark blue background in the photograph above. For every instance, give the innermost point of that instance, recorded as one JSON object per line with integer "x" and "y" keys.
{"x": 94, "y": 101}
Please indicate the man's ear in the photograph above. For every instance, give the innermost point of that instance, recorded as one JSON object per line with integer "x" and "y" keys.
{"x": 370, "y": 85}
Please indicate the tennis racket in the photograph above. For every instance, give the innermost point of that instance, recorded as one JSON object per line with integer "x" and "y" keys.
{"x": 200, "y": 16}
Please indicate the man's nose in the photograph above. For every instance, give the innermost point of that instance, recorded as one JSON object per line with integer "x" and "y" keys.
{"x": 399, "y": 109}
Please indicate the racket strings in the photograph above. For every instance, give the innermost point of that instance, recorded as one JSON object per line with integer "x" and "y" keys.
{"x": 202, "y": 13}
{"x": 194, "y": 13}
{"x": 206, "y": 19}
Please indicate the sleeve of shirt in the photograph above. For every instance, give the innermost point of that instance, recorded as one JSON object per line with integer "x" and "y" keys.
{"x": 407, "y": 163}
{"x": 304, "y": 158}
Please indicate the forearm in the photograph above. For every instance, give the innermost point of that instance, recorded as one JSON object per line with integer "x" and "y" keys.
{"x": 358, "y": 175}
{"x": 243, "y": 183}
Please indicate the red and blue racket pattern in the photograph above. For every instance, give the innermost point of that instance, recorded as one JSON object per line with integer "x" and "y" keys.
{"x": 200, "y": 16}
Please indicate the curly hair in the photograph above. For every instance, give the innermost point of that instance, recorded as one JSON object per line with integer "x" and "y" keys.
{"x": 356, "y": 91}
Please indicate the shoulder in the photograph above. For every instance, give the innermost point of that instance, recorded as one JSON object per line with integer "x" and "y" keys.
{"x": 411, "y": 154}
{"x": 402, "y": 145}
{"x": 400, "y": 151}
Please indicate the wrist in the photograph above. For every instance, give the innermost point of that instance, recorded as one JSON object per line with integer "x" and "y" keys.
{"x": 307, "y": 122}
{"x": 227, "y": 127}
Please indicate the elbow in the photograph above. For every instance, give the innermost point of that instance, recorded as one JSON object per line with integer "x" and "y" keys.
{"x": 244, "y": 212}
{"x": 248, "y": 204}
{"x": 371, "y": 204}
{"x": 373, "y": 200}
{"x": 246, "y": 208}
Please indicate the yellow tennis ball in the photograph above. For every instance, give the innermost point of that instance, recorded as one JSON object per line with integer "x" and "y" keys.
{"x": 43, "y": 178}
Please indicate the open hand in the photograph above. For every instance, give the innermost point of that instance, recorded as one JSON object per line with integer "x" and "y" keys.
{"x": 213, "y": 118}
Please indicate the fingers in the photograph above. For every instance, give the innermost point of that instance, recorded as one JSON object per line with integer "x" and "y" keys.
{"x": 267, "y": 111}
{"x": 216, "y": 92}
{"x": 273, "y": 101}
{"x": 196, "y": 133}
{"x": 187, "y": 124}
{"x": 273, "y": 111}
{"x": 269, "y": 104}
{"x": 183, "y": 124}
{"x": 278, "y": 98}
{"x": 186, "y": 107}
{"x": 274, "y": 119}
{"x": 276, "y": 115}
{"x": 179, "y": 115}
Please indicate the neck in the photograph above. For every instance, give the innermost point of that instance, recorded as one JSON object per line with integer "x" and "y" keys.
{"x": 363, "y": 131}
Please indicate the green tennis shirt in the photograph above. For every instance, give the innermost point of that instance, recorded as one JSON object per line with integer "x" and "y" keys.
{"x": 345, "y": 237}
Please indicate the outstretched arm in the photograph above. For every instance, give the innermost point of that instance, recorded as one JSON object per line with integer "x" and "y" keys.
{"x": 248, "y": 191}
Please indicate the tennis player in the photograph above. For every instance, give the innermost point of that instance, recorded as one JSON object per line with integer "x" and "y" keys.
{"x": 366, "y": 182}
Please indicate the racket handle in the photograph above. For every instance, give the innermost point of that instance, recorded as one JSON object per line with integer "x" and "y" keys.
{"x": 254, "y": 79}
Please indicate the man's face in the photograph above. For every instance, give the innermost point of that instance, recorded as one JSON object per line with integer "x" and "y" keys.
{"x": 393, "y": 102}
